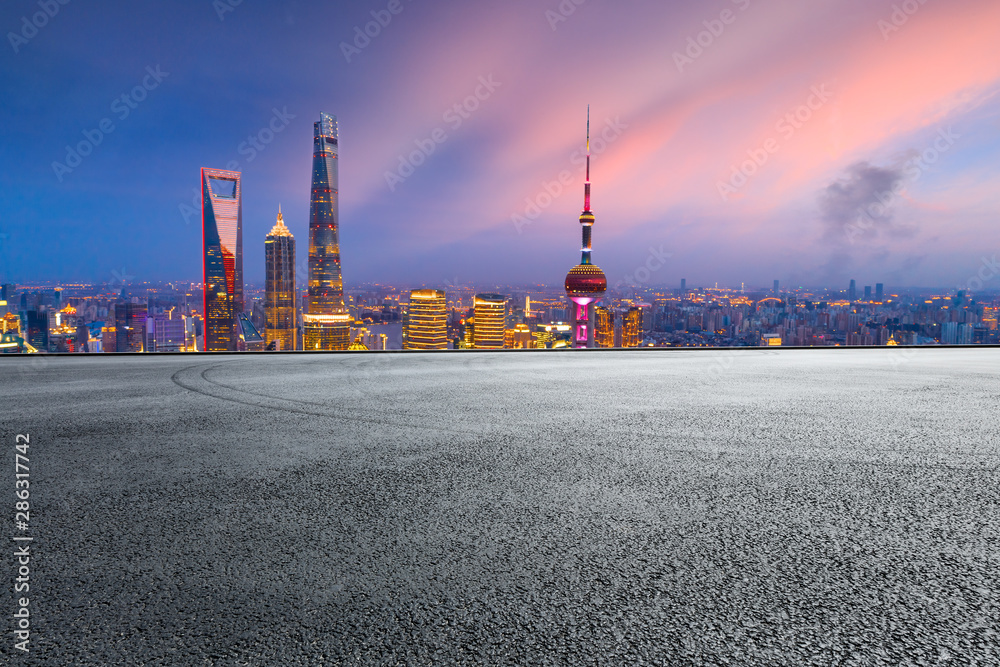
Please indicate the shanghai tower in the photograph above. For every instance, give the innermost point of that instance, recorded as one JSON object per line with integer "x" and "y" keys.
{"x": 327, "y": 323}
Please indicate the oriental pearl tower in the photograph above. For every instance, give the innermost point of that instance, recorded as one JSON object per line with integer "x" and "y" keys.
{"x": 585, "y": 283}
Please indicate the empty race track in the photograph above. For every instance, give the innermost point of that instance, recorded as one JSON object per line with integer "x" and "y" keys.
{"x": 834, "y": 507}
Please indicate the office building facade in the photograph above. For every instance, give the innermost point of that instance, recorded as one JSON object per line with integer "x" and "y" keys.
{"x": 327, "y": 325}
{"x": 222, "y": 239}
{"x": 426, "y": 325}
{"x": 489, "y": 314}
{"x": 281, "y": 329}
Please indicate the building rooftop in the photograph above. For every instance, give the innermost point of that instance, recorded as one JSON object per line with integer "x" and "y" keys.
{"x": 751, "y": 507}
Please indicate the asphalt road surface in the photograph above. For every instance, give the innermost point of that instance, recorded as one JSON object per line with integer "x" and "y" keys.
{"x": 835, "y": 507}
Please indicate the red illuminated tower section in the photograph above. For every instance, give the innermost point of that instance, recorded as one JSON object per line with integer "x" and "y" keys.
{"x": 585, "y": 283}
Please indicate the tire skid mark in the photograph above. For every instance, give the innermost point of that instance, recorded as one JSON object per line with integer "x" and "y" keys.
{"x": 224, "y": 393}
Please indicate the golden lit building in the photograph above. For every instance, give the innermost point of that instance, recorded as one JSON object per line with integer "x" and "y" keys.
{"x": 774, "y": 340}
{"x": 632, "y": 327}
{"x": 518, "y": 338}
{"x": 327, "y": 332}
{"x": 427, "y": 321}
{"x": 604, "y": 327}
{"x": 615, "y": 327}
{"x": 279, "y": 287}
{"x": 109, "y": 339}
{"x": 468, "y": 333}
{"x": 11, "y": 323}
{"x": 490, "y": 311}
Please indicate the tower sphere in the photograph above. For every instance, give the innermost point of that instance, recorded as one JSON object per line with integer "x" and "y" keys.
{"x": 586, "y": 281}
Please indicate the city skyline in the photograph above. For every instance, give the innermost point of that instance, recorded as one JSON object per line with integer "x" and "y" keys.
{"x": 825, "y": 130}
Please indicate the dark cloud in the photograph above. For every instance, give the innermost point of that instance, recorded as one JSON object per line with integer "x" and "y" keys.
{"x": 861, "y": 204}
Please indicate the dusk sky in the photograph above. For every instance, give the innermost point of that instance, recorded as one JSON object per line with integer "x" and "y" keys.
{"x": 842, "y": 104}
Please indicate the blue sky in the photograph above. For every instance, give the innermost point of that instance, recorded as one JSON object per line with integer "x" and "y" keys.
{"x": 677, "y": 127}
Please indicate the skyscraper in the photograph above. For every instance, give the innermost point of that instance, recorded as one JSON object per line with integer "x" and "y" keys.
{"x": 776, "y": 285}
{"x": 879, "y": 291}
{"x": 130, "y": 327}
{"x": 250, "y": 339}
{"x": 489, "y": 314}
{"x": 427, "y": 321}
{"x": 631, "y": 327}
{"x": 868, "y": 292}
{"x": 585, "y": 282}
{"x": 852, "y": 293}
{"x": 279, "y": 287}
{"x": 222, "y": 232}
{"x": 327, "y": 326}
{"x": 37, "y": 329}
{"x": 604, "y": 327}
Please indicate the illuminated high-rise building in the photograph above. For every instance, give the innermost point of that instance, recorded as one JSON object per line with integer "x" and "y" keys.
{"x": 604, "y": 327}
{"x": 130, "y": 327}
{"x": 490, "y": 312}
{"x": 168, "y": 332}
{"x": 585, "y": 282}
{"x": 879, "y": 292}
{"x": 327, "y": 325}
{"x": 631, "y": 327}
{"x": 468, "y": 334}
{"x": 37, "y": 329}
{"x": 10, "y": 323}
{"x": 518, "y": 338}
{"x": 427, "y": 321}
{"x": 617, "y": 327}
{"x": 250, "y": 339}
{"x": 222, "y": 231}
{"x": 108, "y": 339}
{"x": 279, "y": 287}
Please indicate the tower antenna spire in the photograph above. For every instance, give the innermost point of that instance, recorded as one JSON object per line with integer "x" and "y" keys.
{"x": 586, "y": 185}
{"x": 586, "y": 284}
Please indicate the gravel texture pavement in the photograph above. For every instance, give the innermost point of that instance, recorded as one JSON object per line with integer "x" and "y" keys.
{"x": 757, "y": 507}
